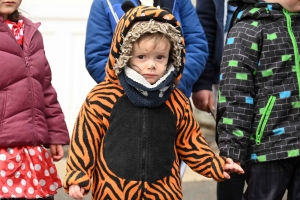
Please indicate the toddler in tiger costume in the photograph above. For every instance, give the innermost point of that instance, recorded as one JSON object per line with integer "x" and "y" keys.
{"x": 135, "y": 126}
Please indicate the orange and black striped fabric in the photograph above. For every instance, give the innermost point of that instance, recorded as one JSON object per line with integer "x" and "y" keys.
{"x": 125, "y": 152}
{"x": 87, "y": 162}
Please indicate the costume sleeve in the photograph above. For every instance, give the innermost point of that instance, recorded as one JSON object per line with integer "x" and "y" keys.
{"x": 83, "y": 147}
{"x": 98, "y": 40}
{"x": 196, "y": 46}
{"x": 211, "y": 16}
{"x": 237, "y": 90}
{"x": 57, "y": 127}
{"x": 192, "y": 147}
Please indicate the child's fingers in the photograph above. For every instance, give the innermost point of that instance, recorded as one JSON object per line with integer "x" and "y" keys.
{"x": 237, "y": 162}
{"x": 226, "y": 175}
{"x": 230, "y": 166}
{"x": 238, "y": 168}
{"x": 229, "y": 161}
{"x": 75, "y": 192}
{"x": 78, "y": 195}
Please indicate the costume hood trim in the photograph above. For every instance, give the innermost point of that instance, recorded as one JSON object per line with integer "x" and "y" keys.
{"x": 139, "y": 29}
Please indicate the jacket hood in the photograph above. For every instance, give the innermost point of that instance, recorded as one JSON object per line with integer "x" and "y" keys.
{"x": 133, "y": 24}
{"x": 258, "y": 11}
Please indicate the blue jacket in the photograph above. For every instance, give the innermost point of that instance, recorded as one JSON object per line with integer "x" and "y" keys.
{"x": 230, "y": 11}
{"x": 101, "y": 25}
{"x": 214, "y": 30}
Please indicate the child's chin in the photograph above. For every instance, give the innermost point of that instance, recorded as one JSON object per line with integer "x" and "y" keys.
{"x": 152, "y": 82}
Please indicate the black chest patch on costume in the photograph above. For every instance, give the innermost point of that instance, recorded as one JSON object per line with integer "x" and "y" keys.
{"x": 139, "y": 143}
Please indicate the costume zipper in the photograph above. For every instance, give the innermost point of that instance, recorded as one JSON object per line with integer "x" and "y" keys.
{"x": 144, "y": 148}
{"x": 264, "y": 118}
{"x": 295, "y": 46}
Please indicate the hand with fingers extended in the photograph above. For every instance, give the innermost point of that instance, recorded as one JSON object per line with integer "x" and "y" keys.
{"x": 232, "y": 166}
{"x": 76, "y": 192}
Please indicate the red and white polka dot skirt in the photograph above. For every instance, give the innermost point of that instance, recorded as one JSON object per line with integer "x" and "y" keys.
{"x": 27, "y": 172}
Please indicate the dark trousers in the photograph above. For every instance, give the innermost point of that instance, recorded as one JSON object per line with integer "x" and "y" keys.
{"x": 270, "y": 180}
{"x": 231, "y": 189}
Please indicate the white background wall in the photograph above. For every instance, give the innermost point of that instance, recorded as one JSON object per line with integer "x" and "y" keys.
{"x": 63, "y": 28}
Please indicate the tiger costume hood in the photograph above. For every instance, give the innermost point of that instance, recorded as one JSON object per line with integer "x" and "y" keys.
{"x": 134, "y": 23}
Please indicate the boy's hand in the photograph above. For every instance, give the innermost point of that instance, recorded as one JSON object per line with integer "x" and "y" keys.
{"x": 204, "y": 100}
{"x": 76, "y": 192}
{"x": 231, "y": 166}
{"x": 57, "y": 151}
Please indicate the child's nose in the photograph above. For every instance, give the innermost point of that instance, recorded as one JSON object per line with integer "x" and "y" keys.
{"x": 151, "y": 65}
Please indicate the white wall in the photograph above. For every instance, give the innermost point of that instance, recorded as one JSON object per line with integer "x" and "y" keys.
{"x": 63, "y": 28}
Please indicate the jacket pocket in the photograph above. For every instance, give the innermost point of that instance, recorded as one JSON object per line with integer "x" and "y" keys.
{"x": 264, "y": 119}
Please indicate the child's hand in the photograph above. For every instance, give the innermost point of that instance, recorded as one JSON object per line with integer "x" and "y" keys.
{"x": 57, "y": 151}
{"x": 231, "y": 166}
{"x": 76, "y": 192}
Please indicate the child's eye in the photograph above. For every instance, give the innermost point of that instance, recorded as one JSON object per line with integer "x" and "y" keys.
{"x": 160, "y": 57}
{"x": 141, "y": 57}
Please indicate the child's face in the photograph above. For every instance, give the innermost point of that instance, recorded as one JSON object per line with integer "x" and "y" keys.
{"x": 150, "y": 58}
{"x": 290, "y": 5}
{"x": 8, "y": 6}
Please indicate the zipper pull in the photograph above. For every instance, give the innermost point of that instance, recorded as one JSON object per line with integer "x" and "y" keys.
{"x": 26, "y": 61}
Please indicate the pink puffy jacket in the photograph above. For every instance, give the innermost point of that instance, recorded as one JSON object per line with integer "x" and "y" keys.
{"x": 29, "y": 111}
